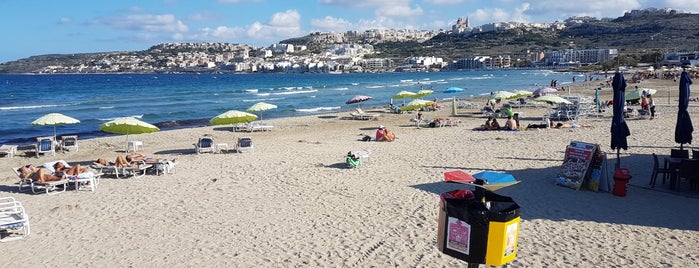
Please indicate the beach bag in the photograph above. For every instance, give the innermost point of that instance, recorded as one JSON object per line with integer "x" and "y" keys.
{"x": 366, "y": 138}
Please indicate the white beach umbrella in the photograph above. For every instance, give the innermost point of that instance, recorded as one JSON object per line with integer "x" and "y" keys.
{"x": 54, "y": 119}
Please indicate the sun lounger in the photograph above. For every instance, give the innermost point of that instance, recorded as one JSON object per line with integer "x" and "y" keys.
{"x": 8, "y": 150}
{"x": 360, "y": 114}
{"x": 49, "y": 187}
{"x": 14, "y": 220}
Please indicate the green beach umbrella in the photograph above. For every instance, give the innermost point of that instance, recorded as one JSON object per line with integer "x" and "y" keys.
{"x": 405, "y": 94}
{"x": 423, "y": 92}
{"x": 499, "y": 95}
{"x": 552, "y": 99}
{"x": 522, "y": 94}
{"x": 636, "y": 93}
{"x": 127, "y": 125}
{"x": 261, "y": 106}
{"x": 233, "y": 117}
{"x": 54, "y": 119}
{"x": 416, "y": 104}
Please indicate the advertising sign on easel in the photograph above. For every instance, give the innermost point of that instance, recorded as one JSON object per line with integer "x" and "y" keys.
{"x": 576, "y": 164}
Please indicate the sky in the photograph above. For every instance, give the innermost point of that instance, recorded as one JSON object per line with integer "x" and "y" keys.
{"x": 37, "y": 27}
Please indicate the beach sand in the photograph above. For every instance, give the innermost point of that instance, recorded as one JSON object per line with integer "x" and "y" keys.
{"x": 294, "y": 203}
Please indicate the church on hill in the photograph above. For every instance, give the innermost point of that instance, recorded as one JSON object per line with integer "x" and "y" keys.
{"x": 461, "y": 26}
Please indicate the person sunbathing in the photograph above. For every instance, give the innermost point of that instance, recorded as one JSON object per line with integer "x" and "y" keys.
{"x": 61, "y": 169}
{"x": 387, "y": 135}
{"x": 37, "y": 174}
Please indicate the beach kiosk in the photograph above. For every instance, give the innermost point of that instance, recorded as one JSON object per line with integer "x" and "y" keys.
{"x": 479, "y": 226}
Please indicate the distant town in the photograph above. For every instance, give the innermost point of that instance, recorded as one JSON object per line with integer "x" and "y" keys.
{"x": 342, "y": 53}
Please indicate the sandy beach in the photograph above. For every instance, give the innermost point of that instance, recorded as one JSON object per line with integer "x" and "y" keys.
{"x": 294, "y": 203}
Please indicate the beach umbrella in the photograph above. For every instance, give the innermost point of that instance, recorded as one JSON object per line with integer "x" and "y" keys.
{"x": 127, "y": 125}
{"x": 552, "y": 99}
{"x": 453, "y": 90}
{"x": 233, "y": 117}
{"x": 416, "y": 104}
{"x": 261, "y": 106}
{"x": 423, "y": 92}
{"x": 405, "y": 94}
{"x": 522, "y": 93}
{"x": 54, "y": 119}
{"x": 499, "y": 95}
{"x": 619, "y": 129}
{"x": 357, "y": 99}
{"x": 637, "y": 93}
{"x": 496, "y": 180}
{"x": 684, "y": 128}
{"x": 544, "y": 90}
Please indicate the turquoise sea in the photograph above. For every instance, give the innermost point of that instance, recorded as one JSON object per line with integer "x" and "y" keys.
{"x": 189, "y": 100}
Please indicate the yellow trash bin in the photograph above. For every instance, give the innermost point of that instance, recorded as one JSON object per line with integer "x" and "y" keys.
{"x": 502, "y": 242}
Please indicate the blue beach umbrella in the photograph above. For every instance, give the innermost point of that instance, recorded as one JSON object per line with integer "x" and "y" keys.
{"x": 683, "y": 128}
{"x": 619, "y": 129}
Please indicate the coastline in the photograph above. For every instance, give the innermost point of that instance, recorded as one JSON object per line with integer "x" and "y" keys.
{"x": 293, "y": 202}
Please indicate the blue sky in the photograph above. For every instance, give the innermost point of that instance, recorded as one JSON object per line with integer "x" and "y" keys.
{"x": 36, "y": 27}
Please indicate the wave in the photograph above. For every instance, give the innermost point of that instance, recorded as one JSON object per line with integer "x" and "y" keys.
{"x": 372, "y": 87}
{"x": 112, "y": 118}
{"x": 251, "y": 90}
{"x": 106, "y": 107}
{"x": 341, "y": 88}
{"x": 295, "y": 92}
{"x": 32, "y": 107}
{"x": 317, "y": 109}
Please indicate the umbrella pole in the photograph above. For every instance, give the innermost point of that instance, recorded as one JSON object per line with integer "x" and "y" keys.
{"x": 618, "y": 160}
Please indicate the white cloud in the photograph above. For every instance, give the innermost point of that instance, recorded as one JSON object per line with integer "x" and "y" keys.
{"x": 390, "y": 8}
{"x": 331, "y": 24}
{"x": 145, "y": 22}
{"x": 483, "y": 16}
{"x": 683, "y": 5}
{"x": 443, "y": 2}
{"x": 64, "y": 21}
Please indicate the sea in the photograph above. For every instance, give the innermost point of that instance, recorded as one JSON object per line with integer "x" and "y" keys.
{"x": 172, "y": 101}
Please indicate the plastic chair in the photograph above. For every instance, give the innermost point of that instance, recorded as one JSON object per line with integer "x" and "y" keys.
{"x": 695, "y": 154}
{"x": 657, "y": 169}
{"x": 45, "y": 145}
{"x": 244, "y": 144}
{"x": 689, "y": 169}
{"x": 204, "y": 145}
{"x": 69, "y": 143}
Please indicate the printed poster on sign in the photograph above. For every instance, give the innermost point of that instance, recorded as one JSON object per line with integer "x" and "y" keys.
{"x": 511, "y": 238}
{"x": 576, "y": 164}
{"x": 458, "y": 235}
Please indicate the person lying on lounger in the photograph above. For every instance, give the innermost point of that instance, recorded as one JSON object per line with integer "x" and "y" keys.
{"x": 37, "y": 174}
{"x": 61, "y": 169}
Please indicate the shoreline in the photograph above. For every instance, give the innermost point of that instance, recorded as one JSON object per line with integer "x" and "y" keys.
{"x": 294, "y": 202}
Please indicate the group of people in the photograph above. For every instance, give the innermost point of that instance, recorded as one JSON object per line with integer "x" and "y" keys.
{"x": 61, "y": 171}
{"x": 512, "y": 123}
{"x": 648, "y": 104}
{"x": 383, "y": 134}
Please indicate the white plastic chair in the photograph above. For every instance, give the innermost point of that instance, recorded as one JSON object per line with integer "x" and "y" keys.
{"x": 69, "y": 143}
{"x": 45, "y": 145}
{"x": 204, "y": 145}
{"x": 244, "y": 144}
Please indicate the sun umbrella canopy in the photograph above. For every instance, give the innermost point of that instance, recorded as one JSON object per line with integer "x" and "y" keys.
{"x": 261, "y": 106}
{"x": 358, "y": 99}
{"x": 552, "y": 99}
{"x": 453, "y": 90}
{"x": 499, "y": 95}
{"x": 619, "y": 129}
{"x": 637, "y": 93}
{"x": 405, "y": 94}
{"x": 522, "y": 93}
{"x": 544, "y": 91}
{"x": 127, "y": 125}
{"x": 423, "y": 92}
{"x": 233, "y": 117}
{"x": 684, "y": 128}
{"x": 416, "y": 104}
{"x": 54, "y": 119}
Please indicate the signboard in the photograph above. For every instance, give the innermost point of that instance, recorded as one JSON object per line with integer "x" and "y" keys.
{"x": 576, "y": 164}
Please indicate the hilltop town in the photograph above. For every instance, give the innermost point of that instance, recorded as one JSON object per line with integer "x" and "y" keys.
{"x": 461, "y": 47}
